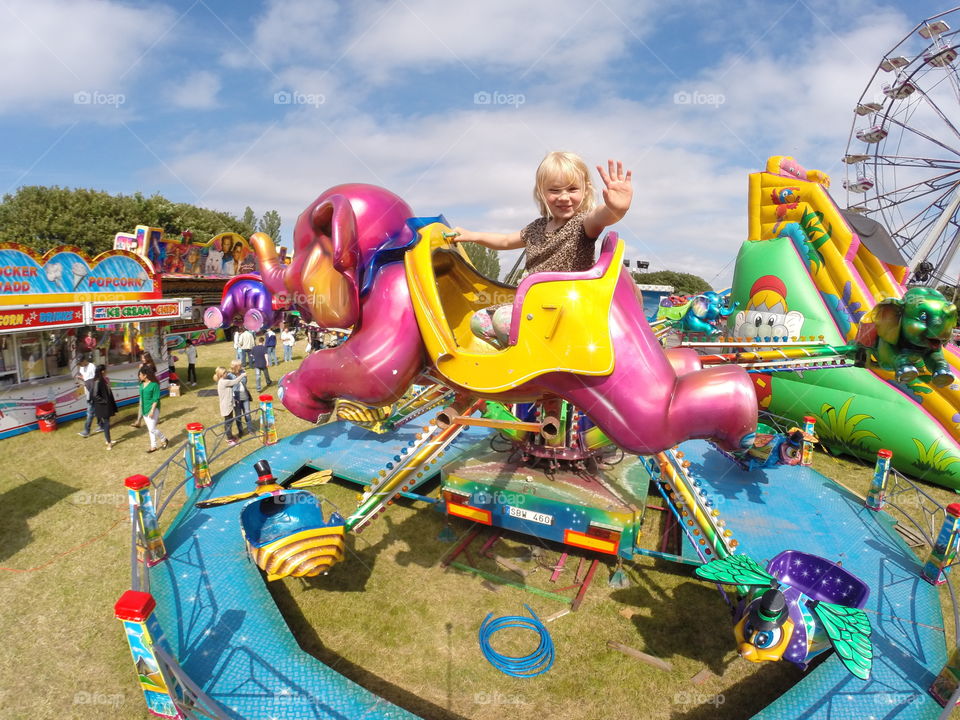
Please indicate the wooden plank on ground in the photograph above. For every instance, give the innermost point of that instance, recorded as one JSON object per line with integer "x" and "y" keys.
{"x": 642, "y": 656}
{"x": 702, "y": 676}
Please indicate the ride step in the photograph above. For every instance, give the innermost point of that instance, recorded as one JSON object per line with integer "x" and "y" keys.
{"x": 912, "y": 537}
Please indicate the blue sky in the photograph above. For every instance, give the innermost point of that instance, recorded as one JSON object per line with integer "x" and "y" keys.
{"x": 267, "y": 104}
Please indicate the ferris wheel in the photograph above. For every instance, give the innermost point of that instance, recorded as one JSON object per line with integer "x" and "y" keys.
{"x": 903, "y": 153}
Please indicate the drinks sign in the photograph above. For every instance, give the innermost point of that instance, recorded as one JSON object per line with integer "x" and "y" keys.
{"x": 41, "y": 317}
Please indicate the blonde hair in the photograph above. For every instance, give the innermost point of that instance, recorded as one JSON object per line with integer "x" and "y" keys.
{"x": 567, "y": 167}
{"x": 236, "y": 366}
{"x": 219, "y": 373}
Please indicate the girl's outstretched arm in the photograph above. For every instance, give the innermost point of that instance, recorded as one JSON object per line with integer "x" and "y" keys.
{"x": 495, "y": 241}
{"x": 617, "y": 196}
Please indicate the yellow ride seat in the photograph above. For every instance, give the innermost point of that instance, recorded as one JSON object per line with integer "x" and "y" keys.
{"x": 560, "y": 320}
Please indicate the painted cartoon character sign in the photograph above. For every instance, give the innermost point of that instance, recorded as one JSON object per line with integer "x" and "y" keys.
{"x": 766, "y": 314}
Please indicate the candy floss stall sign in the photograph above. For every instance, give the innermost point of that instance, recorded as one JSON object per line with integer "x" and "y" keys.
{"x": 67, "y": 274}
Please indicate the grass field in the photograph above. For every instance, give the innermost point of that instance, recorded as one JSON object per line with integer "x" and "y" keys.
{"x": 388, "y": 617}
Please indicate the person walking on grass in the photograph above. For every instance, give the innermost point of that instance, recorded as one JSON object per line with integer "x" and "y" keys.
{"x": 191, "y": 353}
{"x": 86, "y": 372}
{"x": 150, "y": 407}
{"x": 247, "y": 344}
{"x": 259, "y": 355}
{"x": 271, "y": 344}
{"x": 146, "y": 361}
{"x": 236, "y": 343}
{"x": 225, "y": 387}
{"x": 104, "y": 404}
{"x": 241, "y": 398}
{"x": 288, "y": 340}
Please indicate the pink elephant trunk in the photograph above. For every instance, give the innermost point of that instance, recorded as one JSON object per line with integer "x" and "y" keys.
{"x": 652, "y": 401}
{"x": 377, "y": 363}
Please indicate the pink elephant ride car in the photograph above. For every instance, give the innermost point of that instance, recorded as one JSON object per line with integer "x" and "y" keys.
{"x": 363, "y": 261}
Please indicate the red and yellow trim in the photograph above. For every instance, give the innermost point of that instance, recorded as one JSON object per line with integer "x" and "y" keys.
{"x": 591, "y": 542}
{"x": 468, "y": 512}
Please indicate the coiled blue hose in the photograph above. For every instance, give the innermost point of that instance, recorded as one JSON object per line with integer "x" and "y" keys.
{"x": 539, "y": 661}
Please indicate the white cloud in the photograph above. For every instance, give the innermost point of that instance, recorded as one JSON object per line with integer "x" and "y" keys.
{"x": 53, "y": 49}
{"x": 198, "y": 91}
{"x": 293, "y": 31}
{"x": 377, "y": 39}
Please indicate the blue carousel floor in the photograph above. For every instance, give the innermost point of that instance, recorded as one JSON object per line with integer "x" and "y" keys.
{"x": 797, "y": 508}
{"x": 219, "y": 618}
{"x": 229, "y": 636}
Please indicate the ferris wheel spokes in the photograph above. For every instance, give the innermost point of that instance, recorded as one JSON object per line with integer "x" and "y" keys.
{"x": 903, "y": 150}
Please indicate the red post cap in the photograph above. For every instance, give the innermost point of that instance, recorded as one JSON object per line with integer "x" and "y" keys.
{"x": 266, "y": 398}
{"x": 134, "y": 605}
{"x": 885, "y": 453}
{"x": 954, "y": 509}
{"x": 137, "y": 482}
{"x": 195, "y": 427}
{"x": 809, "y": 419}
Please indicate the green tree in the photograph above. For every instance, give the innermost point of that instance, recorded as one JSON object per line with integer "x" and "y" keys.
{"x": 45, "y": 217}
{"x": 683, "y": 283}
{"x": 270, "y": 224}
{"x": 484, "y": 259}
{"x": 950, "y": 292}
{"x": 249, "y": 221}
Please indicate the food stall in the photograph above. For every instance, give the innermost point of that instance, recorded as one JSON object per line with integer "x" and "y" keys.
{"x": 59, "y": 306}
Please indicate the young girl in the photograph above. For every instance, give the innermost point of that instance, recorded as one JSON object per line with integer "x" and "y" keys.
{"x": 562, "y": 239}
{"x": 150, "y": 407}
{"x": 146, "y": 361}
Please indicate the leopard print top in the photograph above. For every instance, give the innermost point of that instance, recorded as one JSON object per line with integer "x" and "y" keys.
{"x": 566, "y": 249}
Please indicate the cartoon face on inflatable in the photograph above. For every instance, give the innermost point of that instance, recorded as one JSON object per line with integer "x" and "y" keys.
{"x": 766, "y": 314}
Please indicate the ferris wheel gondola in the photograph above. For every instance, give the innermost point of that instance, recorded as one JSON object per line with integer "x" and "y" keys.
{"x": 903, "y": 151}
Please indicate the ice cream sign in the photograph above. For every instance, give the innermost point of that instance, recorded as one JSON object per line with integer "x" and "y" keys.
{"x": 124, "y": 312}
{"x": 67, "y": 274}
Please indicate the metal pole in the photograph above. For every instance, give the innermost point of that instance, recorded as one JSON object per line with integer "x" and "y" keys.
{"x": 933, "y": 235}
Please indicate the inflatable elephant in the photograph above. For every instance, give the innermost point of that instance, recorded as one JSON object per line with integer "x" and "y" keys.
{"x": 909, "y": 332}
{"x": 244, "y": 297}
{"x": 706, "y": 312}
{"x": 351, "y": 262}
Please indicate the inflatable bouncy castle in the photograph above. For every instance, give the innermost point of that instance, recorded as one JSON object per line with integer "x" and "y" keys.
{"x": 809, "y": 269}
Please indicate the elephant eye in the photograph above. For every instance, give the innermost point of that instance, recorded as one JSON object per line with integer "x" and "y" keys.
{"x": 922, "y": 317}
{"x": 770, "y": 321}
{"x": 759, "y": 321}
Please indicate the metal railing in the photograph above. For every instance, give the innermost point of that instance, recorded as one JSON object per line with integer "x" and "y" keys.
{"x": 194, "y": 703}
{"x": 164, "y": 488}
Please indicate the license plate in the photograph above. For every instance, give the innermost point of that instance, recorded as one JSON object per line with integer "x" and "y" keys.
{"x": 536, "y": 517}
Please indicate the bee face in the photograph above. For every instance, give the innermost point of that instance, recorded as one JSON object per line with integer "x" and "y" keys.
{"x": 766, "y": 645}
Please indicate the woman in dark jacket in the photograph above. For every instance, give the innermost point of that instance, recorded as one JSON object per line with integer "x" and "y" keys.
{"x": 104, "y": 404}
